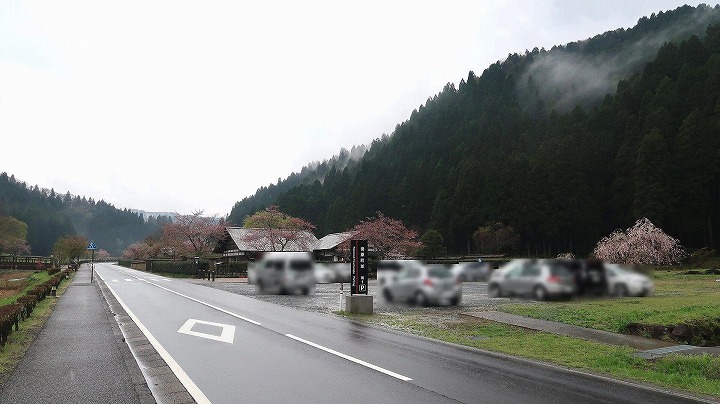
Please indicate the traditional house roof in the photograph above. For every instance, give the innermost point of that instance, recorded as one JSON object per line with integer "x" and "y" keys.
{"x": 332, "y": 240}
{"x": 243, "y": 240}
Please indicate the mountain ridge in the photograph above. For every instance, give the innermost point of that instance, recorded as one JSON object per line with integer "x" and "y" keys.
{"x": 463, "y": 158}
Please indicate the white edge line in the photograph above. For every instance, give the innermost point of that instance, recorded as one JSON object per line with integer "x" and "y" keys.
{"x": 201, "y": 302}
{"x": 351, "y": 359}
{"x": 191, "y": 387}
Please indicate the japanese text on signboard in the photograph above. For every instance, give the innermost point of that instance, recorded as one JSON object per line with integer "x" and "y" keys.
{"x": 358, "y": 267}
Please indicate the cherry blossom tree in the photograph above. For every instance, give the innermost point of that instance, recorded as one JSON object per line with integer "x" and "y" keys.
{"x": 135, "y": 251}
{"x": 194, "y": 233}
{"x": 273, "y": 230}
{"x": 643, "y": 243}
{"x": 388, "y": 237}
{"x": 102, "y": 255}
{"x": 14, "y": 246}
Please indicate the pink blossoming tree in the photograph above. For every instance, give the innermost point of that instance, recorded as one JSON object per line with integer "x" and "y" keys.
{"x": 388, "y": 237}
{"x": 643, "y": 243}
{"x": 193, "y": 234}
{"x": 273, "y": 230}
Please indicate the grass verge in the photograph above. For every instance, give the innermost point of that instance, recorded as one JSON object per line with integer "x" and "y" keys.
{"x": 19, "y": 341}
{"x": 695, "y": 374}
{"x": 679, "y": 298}
{"x": 32, "y": 280}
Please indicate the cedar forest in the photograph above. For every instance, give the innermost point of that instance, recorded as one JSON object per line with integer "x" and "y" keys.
{"x": 537, "y": 143}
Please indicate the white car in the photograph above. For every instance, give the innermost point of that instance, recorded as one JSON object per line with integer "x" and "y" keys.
{"x": 324, "y": 274}
{"x": 423, "y": 285}
{"x": 284, "y": 273}
{"x": 472, "y": 271}
{"x": 623, "y": 281}
{"x": 388, "y": 269}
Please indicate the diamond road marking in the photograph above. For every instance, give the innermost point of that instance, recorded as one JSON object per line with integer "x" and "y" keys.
{"x": 227, "y": 335}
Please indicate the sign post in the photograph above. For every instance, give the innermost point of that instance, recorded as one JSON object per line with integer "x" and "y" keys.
{"x": 92, "y": 248}
{"x": 358, "y": 267}
{"x": 359, "y": 301}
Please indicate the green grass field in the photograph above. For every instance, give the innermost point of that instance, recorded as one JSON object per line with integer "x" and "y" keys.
{"x": 15, "y": 288}
{"x": 678, "y": 298}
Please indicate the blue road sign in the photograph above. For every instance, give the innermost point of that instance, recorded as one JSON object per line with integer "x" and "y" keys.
{"x": 91, "y": 246}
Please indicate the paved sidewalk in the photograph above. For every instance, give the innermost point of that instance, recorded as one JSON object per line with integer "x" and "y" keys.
{"x": 651, "y": 348}
{"x": 79, "y": 356}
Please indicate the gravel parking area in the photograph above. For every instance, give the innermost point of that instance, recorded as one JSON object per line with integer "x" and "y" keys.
{"x": 326, "y": 298}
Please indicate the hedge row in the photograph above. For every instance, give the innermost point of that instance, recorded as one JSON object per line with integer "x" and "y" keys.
{"x": 125, "y": 263}
{"x": 12, "y": 314}
{"x": 177, "y": 267}
{"x": 233, "y": 268}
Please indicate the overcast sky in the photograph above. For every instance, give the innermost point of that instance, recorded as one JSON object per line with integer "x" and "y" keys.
{"x": 187, "y": 105}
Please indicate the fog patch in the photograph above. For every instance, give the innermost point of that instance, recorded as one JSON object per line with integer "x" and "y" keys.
{"x": 566, "y": 77}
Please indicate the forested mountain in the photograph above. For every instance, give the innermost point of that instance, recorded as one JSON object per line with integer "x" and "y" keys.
{"x": 564, "y": 145}
{"x": 266, "y": 196}
{"x": 50, "y": 216}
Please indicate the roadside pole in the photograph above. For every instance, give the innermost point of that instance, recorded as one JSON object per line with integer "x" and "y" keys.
{"x": 92, "y": 248}
{"x": 342, "y": 294}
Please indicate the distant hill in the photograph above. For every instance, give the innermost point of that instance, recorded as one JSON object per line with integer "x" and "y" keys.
{"x": 149, "y": 215}
{"x": 50, "y": 215}
{"x": 565, "y": 145}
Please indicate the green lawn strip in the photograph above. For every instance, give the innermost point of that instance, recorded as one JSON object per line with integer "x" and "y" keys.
{"x": 678, "y": 299}
{"x": 34, "y": 279}
{"x": 19, "y": 341}
{"x": 697, "y": 374}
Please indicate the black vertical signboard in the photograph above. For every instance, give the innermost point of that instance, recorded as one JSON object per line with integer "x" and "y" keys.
{"x": 358, "y": 267}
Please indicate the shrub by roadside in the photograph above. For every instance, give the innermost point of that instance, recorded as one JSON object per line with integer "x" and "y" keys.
{"x": 13, "y": 313}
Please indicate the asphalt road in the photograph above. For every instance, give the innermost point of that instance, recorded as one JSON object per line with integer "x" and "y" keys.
{"x": 326, "y": 298}
{"x": 228, "y": 348}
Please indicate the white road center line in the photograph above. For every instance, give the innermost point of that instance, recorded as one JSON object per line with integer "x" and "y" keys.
{"x": 201, "y": 302}
{"x": 351, "y": 359}
{"x": 191, "y": 387}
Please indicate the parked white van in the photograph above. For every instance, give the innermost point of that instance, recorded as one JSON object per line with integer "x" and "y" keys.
{"x": 284, "y": 273}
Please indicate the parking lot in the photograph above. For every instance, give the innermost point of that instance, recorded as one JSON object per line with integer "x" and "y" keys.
{"x": 327, "y": 297}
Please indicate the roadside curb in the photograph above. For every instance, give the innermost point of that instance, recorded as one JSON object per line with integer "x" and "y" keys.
{"x": 153, "y": 379}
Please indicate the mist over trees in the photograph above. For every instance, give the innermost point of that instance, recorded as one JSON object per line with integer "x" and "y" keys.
{"x": 563, "y": 168}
